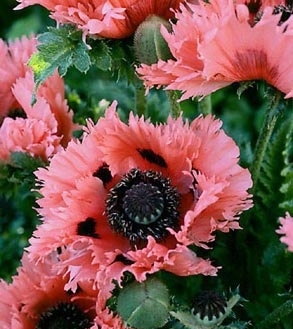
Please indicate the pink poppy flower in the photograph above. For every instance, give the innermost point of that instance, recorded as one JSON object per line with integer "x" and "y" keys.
{"x": 286, "y": 229}
{"x": 40, "y": 129}
{"x": 133, "y": 197}
{"x": 209, "y": 55}
{"x": 30, "y": 136}
{"x": 109, "y": 19}
{"x": 36, "y": 298}
{"x": 15, "y": 56}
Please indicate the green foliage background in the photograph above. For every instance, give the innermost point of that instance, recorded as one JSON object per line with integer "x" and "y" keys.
{"x": 253, "y": 258}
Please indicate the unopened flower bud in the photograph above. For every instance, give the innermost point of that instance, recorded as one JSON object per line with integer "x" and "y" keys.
{"x": 209, "y": 307}
{"x": 149, "y": 44}
{"x": 209, "y": 310}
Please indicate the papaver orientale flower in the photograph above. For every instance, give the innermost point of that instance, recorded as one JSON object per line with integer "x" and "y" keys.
{"x": 286, "y": 229}
{"x": 134, "y": 197}
{"x": 209, "y": 54}
{"x": 107, "y": 19}
{"x": 39, "y": 129}
{"x": 15, "y": 55}
{"x": 36, "y": 299}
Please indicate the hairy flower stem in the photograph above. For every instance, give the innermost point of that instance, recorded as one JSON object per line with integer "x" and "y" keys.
{"x": 140, "y": 100}
{"x": 279, "y": 313}
{"x": 271, "y": 117}
{"x": 205, "y": 105}
{"x": 173, "y": 97}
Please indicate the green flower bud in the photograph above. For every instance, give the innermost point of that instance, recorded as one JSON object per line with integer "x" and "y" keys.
{"x": 149, "y": 44}
{"x": 208, "y": 311}
{"x": 209, "y": 307}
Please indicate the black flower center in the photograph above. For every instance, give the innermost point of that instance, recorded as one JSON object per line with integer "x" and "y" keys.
{"x": 143, "y": 203}
{"x": 64, "y": 316}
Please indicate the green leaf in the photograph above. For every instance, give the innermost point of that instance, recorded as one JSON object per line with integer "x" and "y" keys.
{"x": 123, "y": 60}
{"x": 144, "y": 305}
{"x": 59, "y": 48}
{"x": 100, "y": 55}
{"x": 17, "y": 175}
{"x": 271, "y": 180}
{"x": 18, "y": 217}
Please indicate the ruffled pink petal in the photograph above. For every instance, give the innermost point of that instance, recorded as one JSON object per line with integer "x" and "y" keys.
{"x": 107, "y": 19}
{"x": 286, "y": 229}
{"x": 107, "y": 320}
{"x": 15, "y": 56}
{"x": 27, "y": 135}
{"x": 8, "y": 308}
{"x": 182, "y": 261}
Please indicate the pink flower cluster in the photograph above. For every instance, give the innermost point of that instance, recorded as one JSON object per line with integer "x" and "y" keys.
{"x": 218, "y": 42}
{"x": 107, "y": 18}
{"x": 133, "y": 198}
{"x": 129, "y": 198}
{"x": 39, "y": 129}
